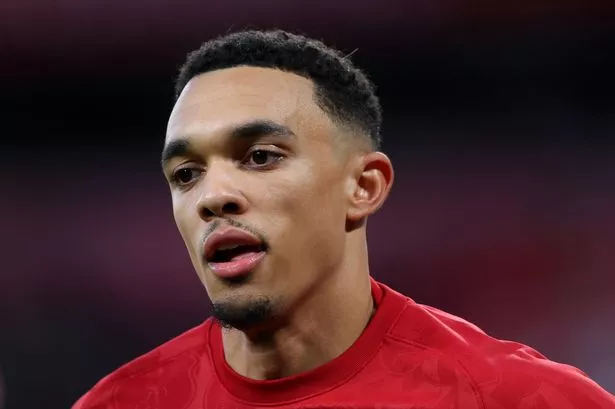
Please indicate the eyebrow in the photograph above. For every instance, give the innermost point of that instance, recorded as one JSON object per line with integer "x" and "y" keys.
{"x": 248, "y": 130}
{"x": 259, "y": 128}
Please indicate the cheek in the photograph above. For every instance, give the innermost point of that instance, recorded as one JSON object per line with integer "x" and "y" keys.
{"x": 304, "y": 193}
{"x": 185, "y": 223}
{"x": 188, "y": 229}
{"x": 307, "y": 209}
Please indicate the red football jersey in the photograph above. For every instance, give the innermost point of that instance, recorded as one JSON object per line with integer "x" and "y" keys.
{"x": 409, "y": 356}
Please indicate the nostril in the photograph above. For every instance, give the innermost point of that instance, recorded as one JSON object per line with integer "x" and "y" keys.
{"x": 231, "y": 207}
{"x": 213, "y": 207}
{"x": 207, "y": 213}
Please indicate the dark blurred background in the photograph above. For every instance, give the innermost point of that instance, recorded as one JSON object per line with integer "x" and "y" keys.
{"x": 499, "y": 117}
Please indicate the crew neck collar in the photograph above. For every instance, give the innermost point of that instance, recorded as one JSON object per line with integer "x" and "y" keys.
{"x": 318, "y": 380}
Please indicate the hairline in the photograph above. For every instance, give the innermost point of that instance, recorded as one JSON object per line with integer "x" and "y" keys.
{"x": 349, "y": 128}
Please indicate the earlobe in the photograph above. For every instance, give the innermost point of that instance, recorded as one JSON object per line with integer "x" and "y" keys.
{"x": 373, "y": 182}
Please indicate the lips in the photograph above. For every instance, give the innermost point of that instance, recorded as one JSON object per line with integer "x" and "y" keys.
{"x": 232, "y": 252}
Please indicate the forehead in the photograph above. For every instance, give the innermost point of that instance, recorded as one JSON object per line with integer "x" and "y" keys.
{"x": 218, "y": 100}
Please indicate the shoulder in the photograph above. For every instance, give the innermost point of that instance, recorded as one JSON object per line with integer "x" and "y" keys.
{"x": 173, "y": 363}
{"x": 515, "y": 375}
{"x": 503, "y": 374}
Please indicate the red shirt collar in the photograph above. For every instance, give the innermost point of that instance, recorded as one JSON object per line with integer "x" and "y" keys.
{"x": 389, "y": 305}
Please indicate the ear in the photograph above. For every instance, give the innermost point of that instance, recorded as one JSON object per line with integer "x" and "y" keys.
{"x": 370, "y": 186}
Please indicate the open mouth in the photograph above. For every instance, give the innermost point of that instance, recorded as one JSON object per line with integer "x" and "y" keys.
{"x": 232, "y": 253}
{"x": 235, "y": 253}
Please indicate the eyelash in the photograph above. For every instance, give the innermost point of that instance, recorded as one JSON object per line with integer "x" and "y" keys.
{"x": 176, "y": 177}
{"x": 278, "y": 156}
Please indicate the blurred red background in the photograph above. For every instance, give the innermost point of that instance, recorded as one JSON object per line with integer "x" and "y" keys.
{"x": 499, "y": 120}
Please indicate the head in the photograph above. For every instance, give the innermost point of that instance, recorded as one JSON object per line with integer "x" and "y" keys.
{"x": 277, "y": 135}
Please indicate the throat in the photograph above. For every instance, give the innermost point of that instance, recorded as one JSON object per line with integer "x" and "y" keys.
{"x": 292, "y": 350}
{"x": 270, "y": 356}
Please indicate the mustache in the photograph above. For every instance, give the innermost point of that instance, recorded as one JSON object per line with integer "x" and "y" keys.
{"x": 216, "y": 224}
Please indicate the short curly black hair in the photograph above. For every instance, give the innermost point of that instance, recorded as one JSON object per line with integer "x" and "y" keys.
{"x": 342, "y": 90}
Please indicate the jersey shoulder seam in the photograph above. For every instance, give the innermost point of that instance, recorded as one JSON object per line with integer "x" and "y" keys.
{"x": 473, "y": 385}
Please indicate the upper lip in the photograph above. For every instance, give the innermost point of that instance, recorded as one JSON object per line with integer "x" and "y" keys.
{"x": 228, "y": 236}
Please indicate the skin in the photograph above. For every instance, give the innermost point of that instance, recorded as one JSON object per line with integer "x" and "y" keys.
{"x": 308, "y": 190}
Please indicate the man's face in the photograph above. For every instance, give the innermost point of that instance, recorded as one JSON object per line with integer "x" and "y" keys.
{"x": 259, "y": 154}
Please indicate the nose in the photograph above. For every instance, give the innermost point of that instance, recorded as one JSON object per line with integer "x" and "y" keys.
{"x": 221, "y": 195}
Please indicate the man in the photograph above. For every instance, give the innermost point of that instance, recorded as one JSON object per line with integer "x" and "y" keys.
{"x": 272, "y": 159}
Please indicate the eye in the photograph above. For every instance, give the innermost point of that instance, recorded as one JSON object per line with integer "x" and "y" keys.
{"x": 185, "y": 176}
{"x": 261, "y": 158}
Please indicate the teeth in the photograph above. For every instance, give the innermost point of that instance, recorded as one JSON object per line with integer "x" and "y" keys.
{"x": 228, "y": 247}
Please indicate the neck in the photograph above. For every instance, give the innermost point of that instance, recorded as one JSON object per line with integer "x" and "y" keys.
{"x": 320, "y": 330}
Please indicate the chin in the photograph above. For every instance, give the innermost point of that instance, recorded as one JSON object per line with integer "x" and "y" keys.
{"x": 243, "y": 312}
